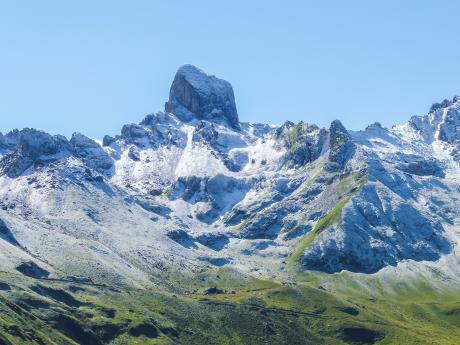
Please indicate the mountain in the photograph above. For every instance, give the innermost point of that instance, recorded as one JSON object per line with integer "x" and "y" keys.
{"x": 193, "y": 190}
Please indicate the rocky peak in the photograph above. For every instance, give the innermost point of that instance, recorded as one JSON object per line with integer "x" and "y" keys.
{"x": 441, "y": 123}
{"x": 374, "y": 126}
{"x": 37, "y": 148}
{"x": 341, "y": 144}
{"x": 159, "y": 119}
{"x": 35, "y": 143}
{"x": 196, "y": 95}
{"x": 449, "y": 128}
{"x": 33, "y": 147}
{"x": 284, "y": 128}
{"x": 10, "y": 140}
{"x": 444, "y": 104}
{"x": 107, "y": 140}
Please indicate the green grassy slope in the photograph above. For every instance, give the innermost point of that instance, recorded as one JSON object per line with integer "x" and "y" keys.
{"x": 320, "y": 309}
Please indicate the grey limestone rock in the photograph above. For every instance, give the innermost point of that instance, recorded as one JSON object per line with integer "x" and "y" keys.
{"x": 90, "y": 152}
{"x": 341, "y": 144}
{"x": 196, "y": 95}
{"x": 34, "y": 147}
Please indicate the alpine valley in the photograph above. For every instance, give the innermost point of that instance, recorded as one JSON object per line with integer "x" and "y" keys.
{"x": 192, "y": 227}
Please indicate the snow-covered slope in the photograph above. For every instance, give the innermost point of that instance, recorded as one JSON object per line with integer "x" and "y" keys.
{"x": 193, "y": 187}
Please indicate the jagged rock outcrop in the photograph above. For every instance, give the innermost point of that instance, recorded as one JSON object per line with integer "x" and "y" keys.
{"x": 134, "y": 154}
{"x": 133, "y": 131}
{"x": 34, "y": 148}
{"x": 155, "y": 130}
{"x": 10, "y": 140}
{"x": 444, "y": 104}
{"x": 35, "y": 144}
{"x": 441, "y": 123}
{"x": 107, "y": 140}
{"x": 449, "y": 129}
{"x": 90, "y": 152}
{"x": 38, "y": 148}
{"x": 205, "y": 132}
{"x": 196, "y": 95}
{"x": 341, "y": 145}
{"x": 304, "y": 142}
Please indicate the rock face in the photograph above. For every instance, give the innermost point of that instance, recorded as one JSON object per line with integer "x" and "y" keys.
{"x": 441, "y": 124}
{"x": 196, "y": 95}
{"x": 449, "y": 129}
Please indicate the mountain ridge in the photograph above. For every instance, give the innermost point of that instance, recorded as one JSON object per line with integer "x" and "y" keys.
{"x": 195, "y": 187}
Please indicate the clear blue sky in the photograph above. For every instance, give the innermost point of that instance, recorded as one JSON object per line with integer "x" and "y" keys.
{"x": 91, "y": 66}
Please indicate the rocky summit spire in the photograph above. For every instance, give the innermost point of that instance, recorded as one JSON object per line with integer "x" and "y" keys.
{"x": 341, "y": 145}
{"x": 196, "y": 95}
